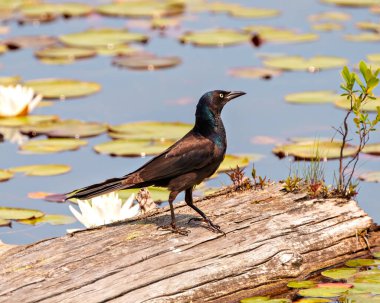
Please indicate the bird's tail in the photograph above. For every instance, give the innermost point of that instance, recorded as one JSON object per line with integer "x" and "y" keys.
{"x": 94, "y": 190}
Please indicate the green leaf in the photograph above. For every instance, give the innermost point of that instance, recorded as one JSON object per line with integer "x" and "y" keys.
{"x": 339, "y": 273}
{"x": 13, "y": 213}
{"x": 301, "y": 284}
{"x": 42, "y": 169}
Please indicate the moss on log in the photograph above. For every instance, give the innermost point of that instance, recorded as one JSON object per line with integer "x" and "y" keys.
{"x": 271, "y": 237}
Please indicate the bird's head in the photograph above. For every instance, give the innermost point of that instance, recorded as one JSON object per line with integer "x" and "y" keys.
{"x": 216, "y": 99}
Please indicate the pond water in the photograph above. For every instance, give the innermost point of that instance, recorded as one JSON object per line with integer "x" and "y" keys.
{"x": 171, "y": 95}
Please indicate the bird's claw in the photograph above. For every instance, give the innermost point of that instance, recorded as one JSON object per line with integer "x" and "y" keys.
{"x": 211, "y": 226}
{"x": 174, "y": 229}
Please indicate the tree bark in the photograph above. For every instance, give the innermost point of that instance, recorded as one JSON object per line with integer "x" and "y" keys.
{"x": 272, "y": 237}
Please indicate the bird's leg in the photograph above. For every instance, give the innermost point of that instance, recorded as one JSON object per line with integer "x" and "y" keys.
{"x": 172, "y": 226}
{"x": 189, "y": 201}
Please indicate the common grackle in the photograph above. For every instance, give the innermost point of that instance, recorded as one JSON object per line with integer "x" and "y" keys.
{"x": 183, "y": 165}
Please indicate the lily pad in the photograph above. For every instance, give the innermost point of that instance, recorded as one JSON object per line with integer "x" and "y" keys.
{"x": 362, "y": 262}
{"x": 26, "y": 120}
{"x": 253, "y": 12}
{"x": 53, "y": 219}
{"x": 30, "y": 41}
{"x": 330, "y": 16}
{"x": 363, "y": 37}
{"x": 5, "y": 175}
{"x": 254, "y": 72}
{"x": 313, "y": 300}
{"x": 65, "y": 129}
{"x": 373, "y": 176}
{"x": 104, "y": 37}
{"x": 140, "y": 9}
{"x": 163, "y": 23}
{"x": 146, "y": 62}
{"x": 13, "y": 213}
{"x": 40, "y": 11}
{"x": 372, "y": 288}
{"x": 327, "y": 27}
{"x": 309, "y": 97}
{"x": 117, "y": 50}
{"x": 63, "y": 88}
{"x": 158, "y": 194}
{"x": 352, "y": 3}
{"x": 325, "y": 291}
{"x": 298, "y": 63}
{"x": 369, "y": 105}
{"x": 231, "y": 161}
{"x": 5, "y": 81}
{"x": 339, "y": 273}
{"x": 264, "y": 300}
{"x": 371, "y": 57}
{"x": 301, "y": 284}
{"x": 5, "y": 222}
{"x": 131, "y": 148}
{"x": 215, "y": 37}
{"x": 372, "y": 149}
{"x": 368, "y": 26}
{"x": 48, "y": 146}
{"x": 70, "y": 53}
{"x": 150, "y": 130}
{"x": 41, "y": 169}
{"x": 314, "y": 150}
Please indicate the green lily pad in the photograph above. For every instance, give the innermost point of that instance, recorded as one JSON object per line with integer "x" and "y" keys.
{"x": 5, "y": 81}
{"x": 57, "y": 61}
{"x": 327, "y": 27}
{"x": 373, "y": 288}
{"x": 362, "y": 298}
{"x": 264, "y": 300}
{"x": 252, "y": 12}
{"x": 301, "y": 284}
{"x": 26, "y": 120}
{"x": 254, "y": 72}
{"x": 314, "y": 150}
{"x": 215, "y": 37}
{"x": 48, "y": 146}
{"x": 325, "y": 291}
{"x": 52, "y": 219}
{"x": 140, "y": 9}
{"x": 373, "y": 176}
{"x": 280, "y": 35}
{"x": 145, "y": 62}
{"x": 13, "y": 213}
{"x": 65, "y": 129}
{"x": 117, "y": 50}
{"x": 150, "y": 130}
{"x": 297, "y": 63}
{"x": 5, "y": 175}
{"x": 69, "y": 53}
{"x": 104, "y": 37}
{"x": 131, "y": 148}
{"x": 376, "y": 254}
{"x": 313, "y": 300}
{"x": 41, "y": 11}
{"x": 30, "y": 41}
{"x": 5, "y": 222}
{"x": 372, "y": 149}
{"x": 352, "y": 3}
{"x": 362, "y": 262}
{"x": 231, "y": 161}
{"x": 369, "y": 105}
{"x": 363, "y": 37}
{"x": 63, "y": 88}
{"x": 339, "y": 273}
{"x": 309, "y": 97}
{"x": 330, "y": 16}
{"x": 368, "y": 276}
{"x": 158, "y": 194}
{"x": 41, "y": 169}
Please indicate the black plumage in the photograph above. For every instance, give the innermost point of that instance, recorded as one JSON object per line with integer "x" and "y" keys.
{"x": 183, "y": 165}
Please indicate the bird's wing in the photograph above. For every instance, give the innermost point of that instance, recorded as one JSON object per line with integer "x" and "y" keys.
{"x": 190, "y": 153}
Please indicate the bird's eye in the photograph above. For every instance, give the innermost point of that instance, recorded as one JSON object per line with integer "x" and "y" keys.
{"x": 221, "y": 96}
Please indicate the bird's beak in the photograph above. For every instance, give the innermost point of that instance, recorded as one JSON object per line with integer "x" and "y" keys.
{"x": 233, "y": 95}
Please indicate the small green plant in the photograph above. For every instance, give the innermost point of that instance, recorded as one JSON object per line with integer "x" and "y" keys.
{"x": 293, "y": 182}
{"x": 363, "y": 124}
{"x": 238, "y": 178}
{"x": 258, "y": 181}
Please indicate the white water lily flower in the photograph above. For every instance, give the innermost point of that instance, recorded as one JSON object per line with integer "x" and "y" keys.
{"x": 105, "y": 209}
{"x": 17, "y": 100}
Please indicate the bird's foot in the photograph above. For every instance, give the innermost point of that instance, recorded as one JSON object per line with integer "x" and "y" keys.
{"x": 174, "y": 229}
{"x": 211, "y": 226}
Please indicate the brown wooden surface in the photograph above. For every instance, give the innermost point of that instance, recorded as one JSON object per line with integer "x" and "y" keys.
{"x": 272, "y": 237}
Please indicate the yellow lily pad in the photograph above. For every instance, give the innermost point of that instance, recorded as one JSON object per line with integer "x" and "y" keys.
{"x": 40, "y": 11}
{"x": 132, "y": 148}
{"x": 372, "y": 149}
{"x": 215, "y": 37}
{"x": 310, "y": 97}
{"x": 254, "y": 72}
{"x": 41, "y": 169}
{"x": 330, "y": 16}
{"x": 117, "y": 50}
{"x": 70, "y": 53}
{"x": 13, "y": 213}
{"x": 53, "y": 219}
{"x": 253, "y": 12}
{"x": 363, "y": 37}
{"x": 163, "y": 23}
{"x": 5, "y": 81}
{"x": 301, "y": 284}
{"x": 327, "y": 27}
{"x": 369, "y": 105}
{"x": 30, "y": 41}
{"x": 231, "y": 161}
{"x": 65, "y": 129}
{"x": 103, "y": 37}
{"x": 48, "y": 146}
{"x": 5, "y": 222}
{"x": 352, "y": 3}
{"x": 324, "y": 292}
{"x": 314, "y": 150}
{"x": 63, "y": 88}
{"x": 26, "y": 120}
{"x": 150, "y": 130}
{"x": 146, "y": 62}
{"x": 362, "y": 262}
{"x": 339, "y": 273}
{"x": 298, "y": 63}
{"x": 5, "y": 175}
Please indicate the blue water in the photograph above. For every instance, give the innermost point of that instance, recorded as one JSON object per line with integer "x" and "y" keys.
{"x": 128, "y": 96}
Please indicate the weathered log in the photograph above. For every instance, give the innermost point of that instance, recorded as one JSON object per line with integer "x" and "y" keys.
{"x": 271, "y": 237}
